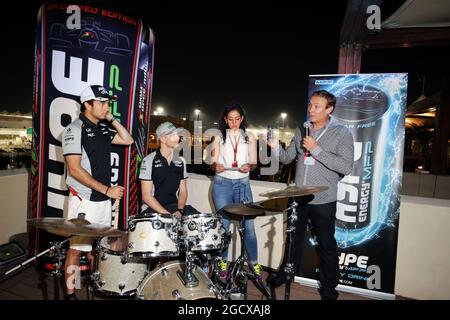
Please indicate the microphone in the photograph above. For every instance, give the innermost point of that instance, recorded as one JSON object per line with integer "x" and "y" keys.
{"x": 307, "y": 126}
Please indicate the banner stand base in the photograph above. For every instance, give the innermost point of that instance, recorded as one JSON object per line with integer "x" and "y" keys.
{"x": 342, "y": 288}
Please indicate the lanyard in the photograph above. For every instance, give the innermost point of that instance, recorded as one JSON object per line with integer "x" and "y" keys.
{"x": 307, "y": 153}
{"x": 320, "y": 135}
{"x": 235, "y": 147}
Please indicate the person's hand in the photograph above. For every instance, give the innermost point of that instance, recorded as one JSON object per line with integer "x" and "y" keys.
{"x": 177, "y": 214}
{"x": 245, "y": 168}
{"x": 309, "y": 143}
{"x": 115, "y": 192}
{"x": 109, "y": 116}
{"x": 218, "y": 167}
{"x": 274, "y": 143}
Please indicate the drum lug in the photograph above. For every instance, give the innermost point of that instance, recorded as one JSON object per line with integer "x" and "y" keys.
{"x": 156, "y": 244}
{"x": 131, "y": 226}
{"x": 102, "y": 283}
{"x": 176, "y": 294}
{"x": 121, "y": 286}
{"x": 104, "y": 257}
{"x": 130, "y": 245}
{"x": 95, "y": 276}
{"x": 124, "y": 259}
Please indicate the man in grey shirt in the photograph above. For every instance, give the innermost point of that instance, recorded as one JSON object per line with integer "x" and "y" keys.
{"x": 324, "y": 157}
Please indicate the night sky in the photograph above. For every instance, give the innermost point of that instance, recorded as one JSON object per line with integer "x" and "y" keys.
{"x": 210, "y": 53}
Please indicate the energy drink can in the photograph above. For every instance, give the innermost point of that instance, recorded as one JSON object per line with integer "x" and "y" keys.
{"x": 361, "y": 108}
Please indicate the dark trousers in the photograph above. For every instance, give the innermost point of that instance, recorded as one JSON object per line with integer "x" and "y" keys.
{"x": 322, "y": 217}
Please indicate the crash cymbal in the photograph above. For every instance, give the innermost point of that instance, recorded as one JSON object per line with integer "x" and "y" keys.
{"x": 292, "y": 191}
{"x": 77, "y": 227}
{"x": 240, "y": 209}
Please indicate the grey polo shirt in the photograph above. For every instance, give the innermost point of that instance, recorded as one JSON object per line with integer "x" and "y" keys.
{"x": 333, "y": 159}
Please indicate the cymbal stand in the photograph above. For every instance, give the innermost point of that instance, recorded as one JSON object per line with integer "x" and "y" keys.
{"x": 56, "y": 273}
{"x": 290, "y": 230}
{"x": 238, "y": 273}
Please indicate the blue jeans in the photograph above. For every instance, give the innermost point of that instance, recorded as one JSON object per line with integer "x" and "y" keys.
{"x": 228, "y": 191}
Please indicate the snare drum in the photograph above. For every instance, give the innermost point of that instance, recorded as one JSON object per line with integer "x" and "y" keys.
{"x": 115, "y": 274}
{"x": 206, "y": 229}
{"x": 165, "y": 284}
{"x": 153, "y": 235}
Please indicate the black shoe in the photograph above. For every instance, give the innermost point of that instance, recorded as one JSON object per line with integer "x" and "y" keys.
{"x": 70, "y": 297}
{"x": 279, "y": 279}
{"x": 330, "y": 294}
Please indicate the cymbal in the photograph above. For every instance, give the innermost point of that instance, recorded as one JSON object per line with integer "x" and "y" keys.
{"x": 78, "y": 227}
{"x": 292, "y": 191}
{"x": 274, "y": 205}
{"x": 241, "y": 209}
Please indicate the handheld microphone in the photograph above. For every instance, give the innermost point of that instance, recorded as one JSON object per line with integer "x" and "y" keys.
{"x": 307, "y": 126}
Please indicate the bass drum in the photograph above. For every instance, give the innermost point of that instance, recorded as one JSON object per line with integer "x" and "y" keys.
{"x": 165, "y": 284}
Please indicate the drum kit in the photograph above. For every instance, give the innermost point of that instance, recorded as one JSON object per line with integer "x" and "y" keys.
{"x": 123, "y": 258}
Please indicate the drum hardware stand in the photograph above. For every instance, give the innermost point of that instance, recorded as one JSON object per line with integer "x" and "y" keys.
{"x": 188, "y": 278}
{"x": 289, "y": 267}
{"x": 216, "y": 291}
{"x": 238, "y": 270}
{"x": 56, "y": 273}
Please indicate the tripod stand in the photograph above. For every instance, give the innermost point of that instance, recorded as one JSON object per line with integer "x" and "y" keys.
{"x": 238, "y": 273}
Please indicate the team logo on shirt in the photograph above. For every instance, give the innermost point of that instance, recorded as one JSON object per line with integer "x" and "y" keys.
{"x": 178, "y": 163}
{"x": 157, "y": 163}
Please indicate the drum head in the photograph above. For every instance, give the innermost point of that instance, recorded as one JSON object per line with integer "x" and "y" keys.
{"x": 114, "y": 245}
{"x": 165, "y": 283}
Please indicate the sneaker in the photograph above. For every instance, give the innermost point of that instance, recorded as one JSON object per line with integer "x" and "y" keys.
{"x": 223, "y": 268}
{"x": 70, "y": 297}
{"x": 257, "y": 268}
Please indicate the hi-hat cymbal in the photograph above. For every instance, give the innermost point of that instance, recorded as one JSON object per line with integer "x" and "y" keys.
{"x": 240, "y": 209}
{"x": 77, "y": 227}
{"x": 292, "y": 191}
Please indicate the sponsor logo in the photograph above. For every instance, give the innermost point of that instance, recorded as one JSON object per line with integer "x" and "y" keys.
{"x": 349, "y": 259}
{"x": 322, "y": 82}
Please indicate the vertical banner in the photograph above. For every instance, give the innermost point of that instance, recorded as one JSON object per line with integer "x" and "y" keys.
{"x": 372, "y": 106}
{"x": 77, "y": 46}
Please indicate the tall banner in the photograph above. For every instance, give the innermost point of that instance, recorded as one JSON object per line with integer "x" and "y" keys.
{"x": 372, "y": 106}
{"x": 77, "y": 46}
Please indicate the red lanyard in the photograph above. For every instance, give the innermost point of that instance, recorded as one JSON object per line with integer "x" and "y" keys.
{"x": 72, "y": 191}
{"x": 235, "y": 148}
